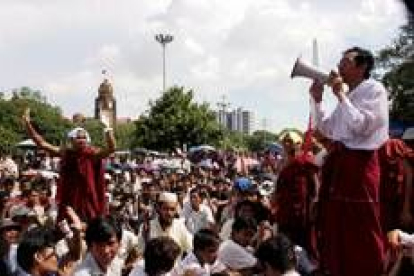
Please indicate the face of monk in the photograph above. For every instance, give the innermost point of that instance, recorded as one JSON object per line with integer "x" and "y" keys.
{"x": 288, "y": 145}
{"x": 80, "y": 141}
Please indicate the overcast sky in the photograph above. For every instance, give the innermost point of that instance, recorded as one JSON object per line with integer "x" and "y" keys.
{"x": 242, "y": 49}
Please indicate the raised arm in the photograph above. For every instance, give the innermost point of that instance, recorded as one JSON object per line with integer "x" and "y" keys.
{"x": 110, "y": 144}
{"x": 37, "y": 138}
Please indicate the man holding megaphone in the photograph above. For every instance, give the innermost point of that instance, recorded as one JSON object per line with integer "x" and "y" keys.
{"x": 349, "y": 203}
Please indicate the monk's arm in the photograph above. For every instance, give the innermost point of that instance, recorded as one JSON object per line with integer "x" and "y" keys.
{"x": 110, "y": 144}
{"x": 37, "y": 138}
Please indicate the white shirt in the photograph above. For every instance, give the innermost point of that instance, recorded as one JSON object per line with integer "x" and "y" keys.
{"x": 291, "y": 273}
{"x": 360, "y": 121}
{"x": 129, "y": 240}
{"x": 235, "y": 256}
{"x": 9, "y": 168}
{"x": 406, "y": 239}
{"x": 177, "y": 231}
{"x": 139, "y": 270}
{"x": 225, "y": 232}
{"x": 197, "y": 220}
{"x": 89, "y": 267}
{"x": 191, "y": 262}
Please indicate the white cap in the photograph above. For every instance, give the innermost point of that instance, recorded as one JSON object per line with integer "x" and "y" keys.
{"x": 168, "y": 197}
{"x": 107, "y": 176}
{"x": 266, "y": 188}
{"x": 74, "y": 133}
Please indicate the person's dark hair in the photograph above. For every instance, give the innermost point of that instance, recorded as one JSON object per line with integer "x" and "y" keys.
{"x": 32, "y": 242}
{"x": 101, "y": 229}
{"x": 195, "y": 190}
{"x": 244, "y": 223}
{"x": 242, "y": 203}
{"x": 278, "y": 252}
{"x": 160, "y": 255}
{"x": 363, "y": 58}
{"x": 223, "y": 273}
{"x": 205, "y": 238}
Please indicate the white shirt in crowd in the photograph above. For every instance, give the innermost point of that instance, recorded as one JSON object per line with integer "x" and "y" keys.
{"x": 291, "y": 273}
{"x": 360, "y": 121}
{"x": 8, "y": 167}
{"x": 225, "y": 232}
{"x": 177, "y": 231}
{"x": 139, "y": 270}
{"x": 235, "y": 256}
{"x": 406, "y": 239}
{"x": 89, "y": 267}
{"x": 197, "y": 220}
{"x": 191, "y": 263}
{"x": 128, "y": 241}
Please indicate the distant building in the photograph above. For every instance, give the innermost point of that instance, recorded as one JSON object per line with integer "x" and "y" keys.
{"x": 237, "y": 120}
{"x": 105, "y": 103}
{"x": 123, "y": 120}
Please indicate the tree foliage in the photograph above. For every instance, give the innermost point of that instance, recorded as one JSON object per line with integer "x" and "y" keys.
{"x": 260, "y": 139}
{"x": 95, "y": 129}
{"x": 396, "y": 69}
{"x": 234, "y": 140}
{"x": 174, "y": 120}
{"x": 125, "y": 135}
{"x": 47, "y": 119}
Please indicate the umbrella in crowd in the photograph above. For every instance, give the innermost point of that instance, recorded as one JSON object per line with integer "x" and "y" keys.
{"x": 275, "y": 148}
{"x": 26, "y": 144}
{"x": 203, "y": 148}
{"x": 140, "y": 151}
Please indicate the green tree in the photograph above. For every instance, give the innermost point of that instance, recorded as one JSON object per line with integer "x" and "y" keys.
{"x": 96, "y": 130}
{"x": 260, "y": 139}
{"x": 396, "y": 70}
{"x": 47, "y": 119}
{"x": 234, "y": 140}
{"x": 8, "y": 139}
{"x": 173, "y": 120}
{"x": 125, "y": 135}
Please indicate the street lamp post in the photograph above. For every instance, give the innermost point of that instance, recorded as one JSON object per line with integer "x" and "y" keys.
{"x": 163, "y": 39}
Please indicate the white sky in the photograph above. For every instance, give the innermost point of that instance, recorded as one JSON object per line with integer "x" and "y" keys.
{"x": 243, "y": 49}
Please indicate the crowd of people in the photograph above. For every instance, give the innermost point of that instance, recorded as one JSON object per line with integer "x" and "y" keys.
{"x": 337, "y": 204}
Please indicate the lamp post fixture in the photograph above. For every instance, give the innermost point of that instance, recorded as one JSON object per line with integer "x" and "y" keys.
{"x": 163, "y": 39}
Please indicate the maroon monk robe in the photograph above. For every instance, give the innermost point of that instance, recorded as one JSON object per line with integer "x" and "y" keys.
{"x": 350, "y": 229}
{"x": 294, "y": 194}
{"x": 392, "y": 188}
{"x": 81, "y": 184}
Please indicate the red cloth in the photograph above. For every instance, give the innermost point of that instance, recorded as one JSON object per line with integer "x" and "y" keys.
{"x": 350, "y": 231}
{"x": 81, "y": 184}
{"x": 294, "y": 193}
{"x": 392, "y": 188}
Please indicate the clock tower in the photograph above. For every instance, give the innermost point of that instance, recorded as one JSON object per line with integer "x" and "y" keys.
{"x": 105, "y": 103}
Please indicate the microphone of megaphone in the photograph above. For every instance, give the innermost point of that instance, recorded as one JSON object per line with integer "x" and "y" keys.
{"x": 302, "y": 69}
